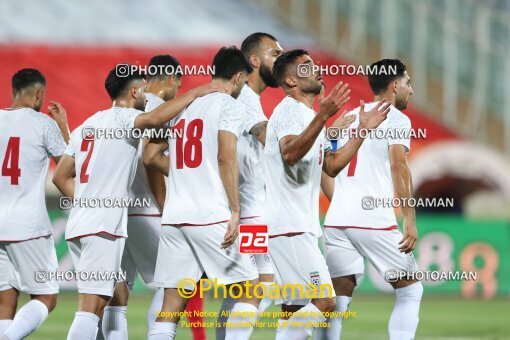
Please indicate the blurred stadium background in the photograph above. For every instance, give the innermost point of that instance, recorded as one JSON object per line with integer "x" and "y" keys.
{"x": 457, "y": 55}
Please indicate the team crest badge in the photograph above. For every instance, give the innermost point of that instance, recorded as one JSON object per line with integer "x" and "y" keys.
{"x": 315, "y": 279}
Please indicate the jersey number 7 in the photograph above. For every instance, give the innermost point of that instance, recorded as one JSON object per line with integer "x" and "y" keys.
{"x": 352, "y": 165}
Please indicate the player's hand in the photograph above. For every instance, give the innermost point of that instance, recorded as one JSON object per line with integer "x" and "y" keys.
{"x": 408, "y": 243}
{"x": 232, "y": 231}
{"x": 374, "y": 117}
{"x": 57, "y": 112}
{"x": 343, "y": 122}
{"x": 206, "y": 89}
{"x": 330, "y": 105}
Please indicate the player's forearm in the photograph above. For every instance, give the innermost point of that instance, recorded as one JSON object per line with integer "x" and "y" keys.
{"x": 164, "y": 112}
{"x": 156, "y": 182}
{"x": 65, "y": 185}
{"x": 402, "y": 183}
{"x": 154, "y": 156}
{"x": 298, "y": 147}
{"x": 259, "y": 131}
{"x": 64, "y": 130}
{"x": 229, "y": 174}
{"x": 159, "y": 163}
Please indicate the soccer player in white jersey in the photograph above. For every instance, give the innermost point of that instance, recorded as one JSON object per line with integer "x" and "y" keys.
{"x": 295, "y": 154}
{"x": 27, "y": 254}
{"x": 202, "y": 210}
{"x": 105, "y": 167}
{"x": 355, "y": 229}
{"x": 144, "y": 223}
{"x": 261, "y": 50}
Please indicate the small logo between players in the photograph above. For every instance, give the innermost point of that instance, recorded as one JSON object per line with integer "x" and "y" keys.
{"x": 253, "y": 239}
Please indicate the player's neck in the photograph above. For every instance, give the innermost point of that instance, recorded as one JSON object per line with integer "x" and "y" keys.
{"x": 226, "y": 84}
{"x": 256, "y": 83}
{"x": 379, "y": 97}
{"x": 306, "y": 98}
{"x": 122, "y": 103}
{"x": 156, "y": 90}
{"x": 22, "y": 102}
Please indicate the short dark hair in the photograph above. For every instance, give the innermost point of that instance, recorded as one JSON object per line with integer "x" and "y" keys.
{"x": 162, "y": 61}
{"x": 115, "y": 85}
{"x": 229, "y": 61}
{"x": 27, "y": 77}
{"x": 252, "y": 42}
{"x": 379, "y": 80}
{"x": 284, "y": 61}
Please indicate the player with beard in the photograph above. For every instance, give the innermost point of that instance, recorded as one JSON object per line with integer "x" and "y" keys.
{"x": 261, "y": 50}
{"x": 295, "y": 155}
{"x": 144, "y": 223}
{"x": 202, "y": 210}
{"x": 28, "y": 139}
{"x": 355, "y": 232}
{"x": 96, "y": 235}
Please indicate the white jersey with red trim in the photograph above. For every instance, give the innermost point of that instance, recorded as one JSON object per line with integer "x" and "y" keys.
{"x": 140, "y": 187}
{"x": 105, "y": 168}
{"x": 249, "y": 156}
{"x": 195, "y": 192}
{"x": 367, "y": 180}
{"x": 27, "y": 141}
{"x": 292, "y": 192}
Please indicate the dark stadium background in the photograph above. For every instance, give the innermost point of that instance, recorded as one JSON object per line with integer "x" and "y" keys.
{"x": 457, "y": 55}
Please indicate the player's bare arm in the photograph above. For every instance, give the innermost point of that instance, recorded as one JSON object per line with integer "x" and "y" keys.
{"x": 154, "y": 156}
{"x": 259, "y": 131}
{"x": 403, "y": 184}
{"x": 59, "y": 114}
{"x": 64, "y": 175}
{"x": 293, "y": 147}
{"x": 156, "y": 180}
{"x": 229, "y": 173}
{"x": 334, "y": 162}
{"x": 169, "y": 110}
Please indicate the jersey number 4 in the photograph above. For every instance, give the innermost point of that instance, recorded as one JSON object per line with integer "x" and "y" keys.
{"x": 10, "y": 165}
{"x": 188, "y": 153}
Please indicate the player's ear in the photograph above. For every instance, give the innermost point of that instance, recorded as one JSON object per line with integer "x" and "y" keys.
{"x": 236, "y": 78}
{"x": 254, "y": 61}
{"x": 171, "y": 80}
{"x": 39, "y": 94}
{"x": 394, "y": 86}
{"x": 290, "y": 81}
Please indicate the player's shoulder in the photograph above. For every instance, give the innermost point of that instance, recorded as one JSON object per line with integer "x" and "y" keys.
{"x": 37, "y": 116}
{"x": 287, "y": 106}
{"x": 40, "y": 121}
{"x": 153, "y": 102}
{"x": 229, "y": 103}
{"x": 395, "y": 116}
{"x": 249, "y": 97}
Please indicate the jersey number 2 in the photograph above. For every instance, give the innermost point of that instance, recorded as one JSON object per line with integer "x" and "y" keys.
{"x": 10, "y": 166}
{"x": 188, "y": 154}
